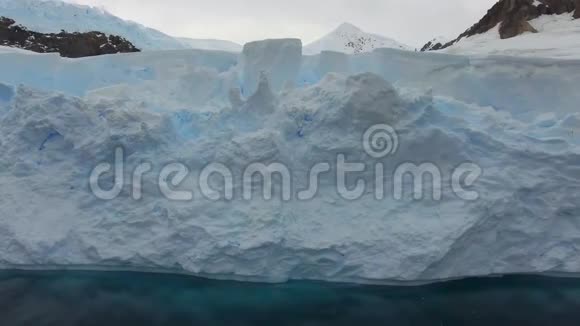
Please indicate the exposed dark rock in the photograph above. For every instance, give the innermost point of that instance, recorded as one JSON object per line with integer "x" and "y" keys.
{"x": 71, "y": 45}
{"x": 514, "y": 16}
{"x": 559, "y": 7}
{"x": 6, "y": 22}
{"x": 432, "y": 46}
{"x": 515, "y": 21}
{"x": 359, "y": 44}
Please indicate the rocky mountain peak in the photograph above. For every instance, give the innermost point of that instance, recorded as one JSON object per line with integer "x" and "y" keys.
{"x": 348, "y": 38}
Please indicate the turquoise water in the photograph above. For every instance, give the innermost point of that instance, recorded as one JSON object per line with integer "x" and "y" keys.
{"x": 104, "y": 299}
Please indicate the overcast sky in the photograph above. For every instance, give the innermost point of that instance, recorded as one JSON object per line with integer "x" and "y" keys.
{"x": 409, "y": 21}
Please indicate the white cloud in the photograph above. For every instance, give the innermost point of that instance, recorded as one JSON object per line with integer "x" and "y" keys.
{"x": 410, "y": 21}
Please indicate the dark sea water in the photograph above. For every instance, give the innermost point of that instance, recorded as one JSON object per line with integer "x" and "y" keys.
{"x": 105, "y": 298}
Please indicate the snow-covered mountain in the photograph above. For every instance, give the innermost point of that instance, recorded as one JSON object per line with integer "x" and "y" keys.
{"x": 211, "y": 44}
{"x": 54, "y": 16}
{"x": 542, "y": 28}
{"x": 350, "y": 39}
{"x": 557, "y": 36}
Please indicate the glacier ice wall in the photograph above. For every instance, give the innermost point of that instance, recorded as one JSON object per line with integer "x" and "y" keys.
{"x": 280, "y": 60}
{"x": 517, "y": 119}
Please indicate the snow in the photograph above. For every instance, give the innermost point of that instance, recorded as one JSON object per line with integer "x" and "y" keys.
{"x": 53, "y": 16}
{"x": 350, "y": 39}
{"x": 50, "y": 16}
{"x": 558, "y": 37}
{"x": 515, "y": 117}
{"x": 8, "y": 49}
{"x": 211, "y": 44}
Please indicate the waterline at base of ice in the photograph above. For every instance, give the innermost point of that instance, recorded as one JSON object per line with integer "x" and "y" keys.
{"x": 129, "y": 298}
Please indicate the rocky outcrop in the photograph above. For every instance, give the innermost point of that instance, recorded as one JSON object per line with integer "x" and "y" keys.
{"x": 513, "y": 17}
{"x": 516, "y": 17}
{"x": 71, "y": 45}
{"x": 558, "y": 7}
{"x": 433, "y": 45}
{"x": 577, "y": 12}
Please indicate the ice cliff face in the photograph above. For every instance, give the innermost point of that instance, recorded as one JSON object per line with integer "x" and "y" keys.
{"x": 515, "y": 118}
{"x": 278, "y": 59}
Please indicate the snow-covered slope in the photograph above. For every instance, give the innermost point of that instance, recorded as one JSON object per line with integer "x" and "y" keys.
{"x": 558, "y": 37}
{"x": 211, "y": 44}
{"x": 516, "y": 118}
{"x": 7, "y": 49}
{"x": 49, "y": 16}
{"x": 350, "y": 39}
